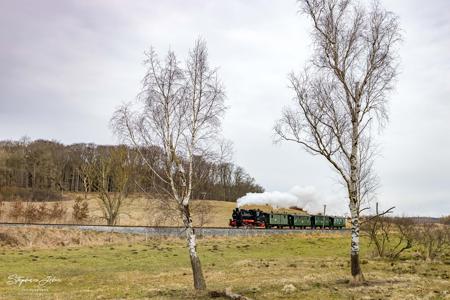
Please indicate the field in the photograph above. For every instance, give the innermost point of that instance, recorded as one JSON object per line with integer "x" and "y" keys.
{"x": 113, "y": 266}
{"x": 138, "y": 210}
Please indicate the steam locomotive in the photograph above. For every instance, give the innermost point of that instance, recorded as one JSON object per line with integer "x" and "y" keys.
{"x": 258, "y": 219}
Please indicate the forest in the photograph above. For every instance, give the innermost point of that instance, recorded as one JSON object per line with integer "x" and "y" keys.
{"x": 43, "y": 170}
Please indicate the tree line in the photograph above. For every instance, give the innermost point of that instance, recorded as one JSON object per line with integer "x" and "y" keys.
{"x": 45, "y": 170}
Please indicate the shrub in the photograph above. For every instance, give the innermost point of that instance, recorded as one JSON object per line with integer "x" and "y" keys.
{"x": 6, "y": 239}
{"x": 432, "y": 239}
{"x": 42, "y": 211}
{"x": 31, "y": 213}
{"x": 389, "y": 236}
{"x": 57, "y": 211}
{"x": 16, "y": 210}
{"x": 445, "y": 220}
{"x": 80, "y": 210}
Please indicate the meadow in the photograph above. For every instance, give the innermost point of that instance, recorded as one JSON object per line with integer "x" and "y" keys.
{"x": 88, "y": 265}
{"x": 140, "y": 211}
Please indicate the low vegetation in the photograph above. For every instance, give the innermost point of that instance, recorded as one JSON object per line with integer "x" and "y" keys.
{"x": 115, "y": 266}
{"x": 135, "y": 210}
{"x": 31, "y": 212}
{"x": 389, "y": 237}
{"x": 80, "y": 210}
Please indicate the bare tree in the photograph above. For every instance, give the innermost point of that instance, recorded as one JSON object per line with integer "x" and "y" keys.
{"x": 340, "y": 98}
{"x": 113, "y": 172}
{"x": 86, "y": 167}
{"x": 389, "y": 236}
{"x": 203, "y": 211}
{"x": 180, "y": 111}
{"x": 432, "y": 240}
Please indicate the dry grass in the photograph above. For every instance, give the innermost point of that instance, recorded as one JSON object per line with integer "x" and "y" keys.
{"x": 150, "y": 212}
{"x": 49, "y": 238}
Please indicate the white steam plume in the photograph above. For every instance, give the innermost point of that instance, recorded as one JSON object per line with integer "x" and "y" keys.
{"x": 302, "y": 197}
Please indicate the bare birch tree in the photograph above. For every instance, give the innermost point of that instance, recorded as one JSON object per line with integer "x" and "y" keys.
{"x": 113, "y": 172}
{"x": 340, "y": 97}
{"x": 86, "y": 167}
{"x": 180, "y": 111}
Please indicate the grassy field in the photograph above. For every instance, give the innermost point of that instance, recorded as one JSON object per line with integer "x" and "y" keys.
{"x": 148, "y": 212}
{"x": 114, "y": 266}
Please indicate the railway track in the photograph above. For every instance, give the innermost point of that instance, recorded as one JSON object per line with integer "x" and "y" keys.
{"x": 175, "y": 231}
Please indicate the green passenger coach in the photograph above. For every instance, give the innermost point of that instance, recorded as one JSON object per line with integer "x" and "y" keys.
{"x": 277, "y": 220}
{"x": 299, "y": 221}
{"x": 321, "y": 221}
{"x": 338, "y": 222}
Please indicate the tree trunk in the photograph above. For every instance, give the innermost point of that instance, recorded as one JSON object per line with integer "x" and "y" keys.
{"x": 85, "y": 185}
{"x": 111, "y": 221}
{"x": 33, "y": 187}
{"x": 354, "y": 202}
{"x": 77, "y": 189}
{"x": 199, "y": 281}
{"x": 357, "y": 275}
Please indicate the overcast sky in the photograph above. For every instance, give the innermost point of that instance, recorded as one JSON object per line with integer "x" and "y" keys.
{"x": 66, "y": 65}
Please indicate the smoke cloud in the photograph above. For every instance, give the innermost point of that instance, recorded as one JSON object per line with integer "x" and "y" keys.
{"x": 305, "y": 197}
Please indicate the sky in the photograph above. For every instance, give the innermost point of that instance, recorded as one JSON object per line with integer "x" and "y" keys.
{"x": 65, "y": 66}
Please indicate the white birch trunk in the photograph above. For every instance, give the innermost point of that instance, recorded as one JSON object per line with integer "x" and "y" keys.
{"x": 199, "y": 281}
{"x": 354, "y": 249}
{"x": 354, "y": 200}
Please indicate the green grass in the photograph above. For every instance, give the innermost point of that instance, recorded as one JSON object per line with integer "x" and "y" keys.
{"x": 258, "y": 267}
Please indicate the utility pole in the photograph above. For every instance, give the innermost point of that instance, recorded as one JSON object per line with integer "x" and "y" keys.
{"x": 324, "y": 210}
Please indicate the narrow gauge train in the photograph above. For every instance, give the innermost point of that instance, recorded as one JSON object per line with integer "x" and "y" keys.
{"x": 258, "y": 218}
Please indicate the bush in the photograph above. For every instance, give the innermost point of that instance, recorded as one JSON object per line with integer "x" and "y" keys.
{"x": 42, "y": 211}
{"x": 80, "y": 210}
{"x": 445, "y": 220}
{"x": 57, "y": 211}
{"x": 6, "y": 239}
{"x": 31, "y": 213}
{"x": 36, "y": 212}
{"x": 16, "y": 210}
{"x": 432, "y": 239}
{"x": 390, "y": 237}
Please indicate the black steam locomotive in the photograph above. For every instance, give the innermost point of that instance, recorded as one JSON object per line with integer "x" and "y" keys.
{"x": 259, "y": 219}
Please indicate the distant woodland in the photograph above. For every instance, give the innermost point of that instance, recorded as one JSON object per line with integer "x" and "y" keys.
{"x": 44, "y": 170}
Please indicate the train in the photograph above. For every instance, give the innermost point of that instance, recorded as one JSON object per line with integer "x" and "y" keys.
{"x": 256, "y": 218}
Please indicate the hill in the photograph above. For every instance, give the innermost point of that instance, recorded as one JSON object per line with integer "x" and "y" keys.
{"x": 140, "y": 211}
